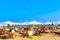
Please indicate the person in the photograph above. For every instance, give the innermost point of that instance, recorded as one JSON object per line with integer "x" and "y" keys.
{"x": 7, "y": 29}
{"x": 13, "y": 31}
{"x": 39, "y": 31}
{"x": 35, "y": 31}
{"x": 2, "y": 34}
{"x": 30, "y": 32}
{"x": 10, "y": 33}
{"x": 52, "y": 27}
{"x": 16, "y": 28}
{"x": 43, "y": 29}
{"x": 25, "y": 32}
{"x": 21, "y": 30}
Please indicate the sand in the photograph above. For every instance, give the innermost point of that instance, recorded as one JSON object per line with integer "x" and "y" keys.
{"x": 43, "y": 37}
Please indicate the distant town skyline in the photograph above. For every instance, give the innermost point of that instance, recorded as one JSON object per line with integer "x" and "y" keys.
{"x": 29, "y": 10}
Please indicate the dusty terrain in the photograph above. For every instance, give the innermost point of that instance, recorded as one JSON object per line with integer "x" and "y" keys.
{"x": 43, "y": 37}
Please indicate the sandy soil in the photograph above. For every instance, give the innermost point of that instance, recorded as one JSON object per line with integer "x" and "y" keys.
{"x": 43, "y": 37}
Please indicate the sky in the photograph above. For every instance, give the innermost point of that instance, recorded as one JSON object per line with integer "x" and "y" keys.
{"x": 29, "y": 10}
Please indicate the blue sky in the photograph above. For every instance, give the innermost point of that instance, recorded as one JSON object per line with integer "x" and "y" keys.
{"x": 28, "y": 10}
